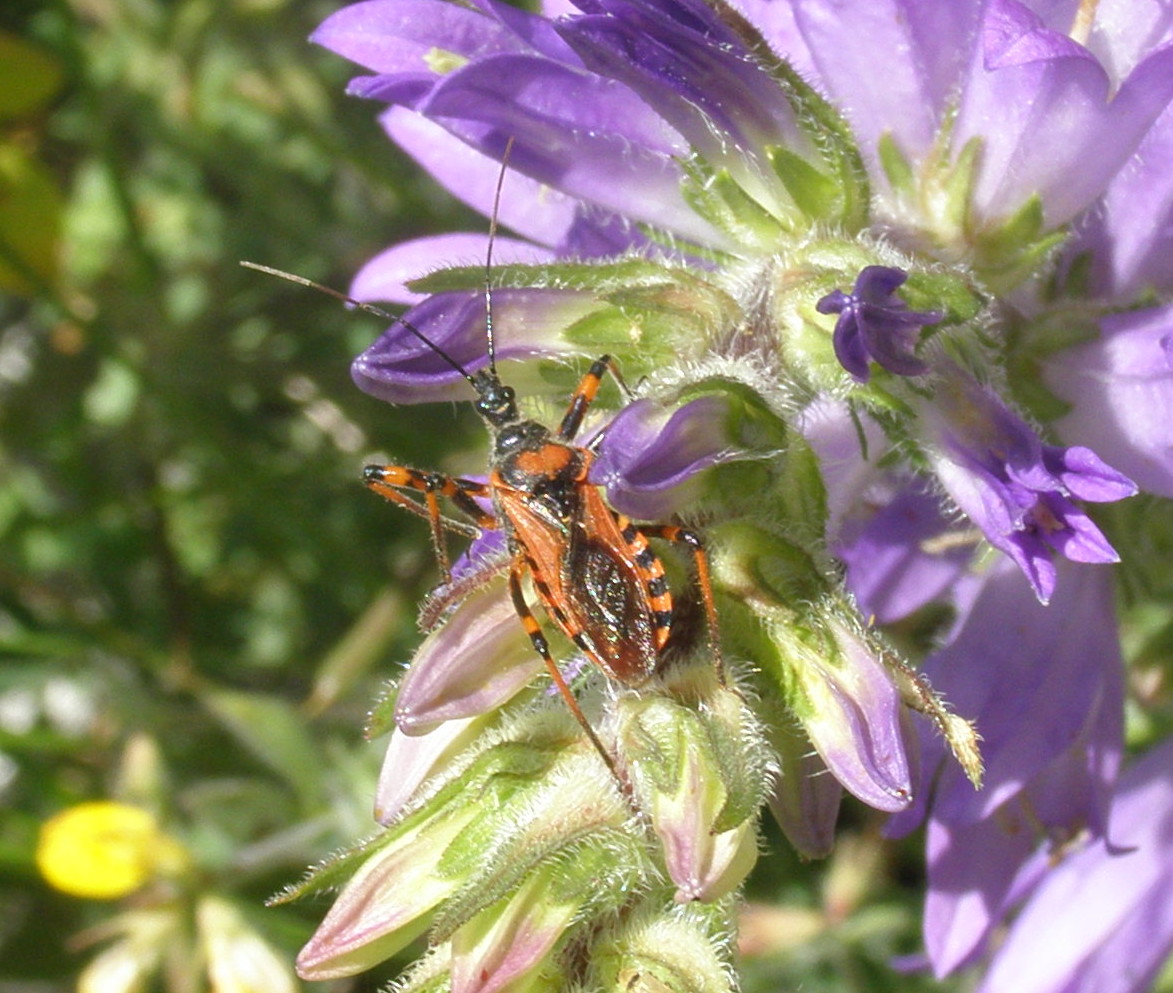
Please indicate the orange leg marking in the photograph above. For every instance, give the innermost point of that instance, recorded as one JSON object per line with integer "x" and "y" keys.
{"x": 389, "y": 480}
{"x": 682, "y": 536}
{"x": 584, "y": 396}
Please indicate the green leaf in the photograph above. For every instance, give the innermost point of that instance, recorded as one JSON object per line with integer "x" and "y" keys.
{"x": 276, "y": 733}
{"x": 30, "y": 223}
{"x": 30, "y": 77}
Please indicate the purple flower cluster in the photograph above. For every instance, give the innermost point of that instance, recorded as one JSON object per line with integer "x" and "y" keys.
{"x": 893, "y": 333}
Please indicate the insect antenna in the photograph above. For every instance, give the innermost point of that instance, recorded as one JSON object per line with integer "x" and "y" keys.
{"x": 492, "y": 342}
{"x": 368, "y": 308}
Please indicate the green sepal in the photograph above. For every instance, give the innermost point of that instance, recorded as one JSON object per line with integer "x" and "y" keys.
{"x": 804, "y": 497}
{"x": 745, "y": 759}
{"x": 849, "y": 206}
{"x": 335, "y": 870}
{"x": 381, "y": 719}
{"x": 751, "y": 423}
{"x": 718, "y": 198}
{"x": 533, "y": 824}
{"x": 428, "y": 974}
{"x": 647, "y": 312}
{"x": 897, "y": 169}
{"x": 757, "y": 565}
{"x": 598, "y": 278}
{"x": 601, "y": 871}
{"x": 679, "y": 950}
{"x": 1017, "y": 248}
{"x": 489, "y": 781}
{"x": 956, "y": 184}
{"x": 957, "y": 298}
{"x": 1030, "y": 343}
{"x": 827, "y": 130}
{"x": 641, "y": 342}
{"x": 815, "y": 193}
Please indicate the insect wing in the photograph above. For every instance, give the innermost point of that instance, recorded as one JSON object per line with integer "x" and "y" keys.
{"x": 588, "y": 580}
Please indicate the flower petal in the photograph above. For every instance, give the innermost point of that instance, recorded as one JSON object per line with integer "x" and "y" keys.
{"x": 479, "y": 658}
{"x": 1120, "y": 388}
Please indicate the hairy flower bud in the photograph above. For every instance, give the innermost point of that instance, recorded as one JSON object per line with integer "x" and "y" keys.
{"x": 679, "y": 760}
{"x": 385, "y": 903}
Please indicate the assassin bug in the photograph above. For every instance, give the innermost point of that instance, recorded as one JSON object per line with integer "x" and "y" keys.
{"x": 592, "y": 569}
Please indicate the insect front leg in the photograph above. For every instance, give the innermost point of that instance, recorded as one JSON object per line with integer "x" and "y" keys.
{"x": 542, "y": 647}
{"x": 584, "y": 396}
{"x": 683, "y": 536}
{"x": 390, "y": 480}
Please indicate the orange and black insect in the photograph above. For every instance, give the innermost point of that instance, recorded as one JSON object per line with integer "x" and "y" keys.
{"x": 592, "y": 569}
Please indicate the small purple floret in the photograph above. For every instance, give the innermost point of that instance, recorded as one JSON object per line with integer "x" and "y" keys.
{"x": 876, "y": 325}
{"x": 1017, "y": 490}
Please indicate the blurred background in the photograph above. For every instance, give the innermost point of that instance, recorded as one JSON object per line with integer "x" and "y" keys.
{"x": 198, "y": 599}
{"x": 197, "y": 596}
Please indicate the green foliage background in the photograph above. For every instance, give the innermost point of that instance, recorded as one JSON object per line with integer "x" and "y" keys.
{"x": 198, "y": 600}
{"x": 187, "y": 557}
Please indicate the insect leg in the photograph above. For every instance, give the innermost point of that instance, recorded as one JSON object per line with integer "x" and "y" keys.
{"x": 389, "y": 480}
{"x": 682, "y": 536}
{"x": 584, "y": 396}
{"x": 534, "y": 630}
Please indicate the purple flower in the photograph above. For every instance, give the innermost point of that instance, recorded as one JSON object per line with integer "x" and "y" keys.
{"x": 1056, "y": 116}
{"x": 876, "y": 325}
{"x": 1120, "y": 391}
{"x": 1020, "y": 492}
{"x": 478, "y": 658}
{"x": 650, "y": 457}
{"x": 904, "y": 554}
{"x": 1127, "y": 239}
{"x": 686, "y": 182}
{"x": 1100, "y": 921}
{"x": 1044, "y": 685}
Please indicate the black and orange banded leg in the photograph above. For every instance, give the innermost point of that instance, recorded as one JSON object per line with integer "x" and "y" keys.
{"x": 652, "y": 573}
{"x": 389, "y": 480}
{"x": 683, "y": 536}
{"x": 584, "y": 396}
{"x": 542, "y": 647}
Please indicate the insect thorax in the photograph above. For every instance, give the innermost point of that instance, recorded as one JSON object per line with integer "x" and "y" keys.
{"x": 529, "y": 460}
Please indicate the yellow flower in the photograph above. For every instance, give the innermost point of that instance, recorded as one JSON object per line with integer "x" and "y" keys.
{"x": 103, "y": 850}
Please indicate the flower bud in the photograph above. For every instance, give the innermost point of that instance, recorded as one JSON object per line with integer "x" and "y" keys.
{"x": 851, "y": 709}
{"x": 475, "y": 661}
{"x": 805, "y": 800}
{"x": 686, "y": 769}
{"x": 675, "y": 951}
{"x": 386, "y": 903}
{"x": 503, "y": 947}
{"x": 410, "y": 761}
